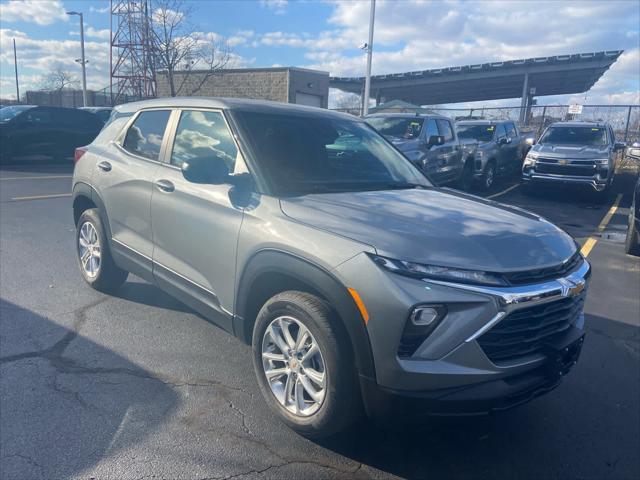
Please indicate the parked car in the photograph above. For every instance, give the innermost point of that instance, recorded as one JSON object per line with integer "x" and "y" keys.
{"x": 27, "y": 130}
{"x": 496, "y": 147}
{"x": 632, "y": 151}
{"x": 103, "y": 113}
{"x": 581, "y": 153}
{"x": 632, "y": 240}
{"x": 308, "y": 236}
{"x": 430, "y": 142}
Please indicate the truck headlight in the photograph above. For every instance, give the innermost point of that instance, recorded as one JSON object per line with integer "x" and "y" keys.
{"x": 602, "y": 162}
{"x": 436, "y": 272}
{"x": 530, "y": 160}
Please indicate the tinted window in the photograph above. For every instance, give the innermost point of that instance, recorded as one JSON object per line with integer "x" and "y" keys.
{"x": 7, "y": 113}
{"x": 317, "y": 154}
{"x": 511, "y": 130}
{"x": 575, "y": 136}
{"x": 444, "y": 126}
{"x": 38, "y": 116}
{"x": 401, "y": 127}
{"x": 500, "y": 132}
{"x": 432, "y": 129}
{"x": 482, "y": 133}
{"x": 144, "y": 137}
{"x": 203, "y": 135}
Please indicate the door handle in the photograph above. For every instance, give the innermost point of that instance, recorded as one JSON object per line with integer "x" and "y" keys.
{"x": 104, "y": 166}
{"x": 165, "y": 186}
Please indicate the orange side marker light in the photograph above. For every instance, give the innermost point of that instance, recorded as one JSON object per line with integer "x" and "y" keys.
{"x": 360, "y": 304}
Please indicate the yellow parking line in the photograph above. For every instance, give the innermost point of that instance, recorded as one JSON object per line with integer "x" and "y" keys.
{"x": 41, "y": 177}
{"x": 41, "y": 197}
{"x": 591, "y": 241}
{"x": 507, "y": 190}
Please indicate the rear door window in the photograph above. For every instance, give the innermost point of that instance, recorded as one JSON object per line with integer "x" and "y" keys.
{"x": 38, "y": 116}
{"x": 432, "y": 129}
{"x": 444, "y": 126}
{"x": 144, "y": 137}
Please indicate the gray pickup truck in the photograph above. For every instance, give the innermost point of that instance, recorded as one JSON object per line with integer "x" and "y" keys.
{"x": 495, "y": 147}
{"x": 581, "y": 153}
{"x": 430, "y": 142}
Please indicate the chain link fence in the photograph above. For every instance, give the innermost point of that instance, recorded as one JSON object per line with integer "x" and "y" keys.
{"x": 625, "y": 119}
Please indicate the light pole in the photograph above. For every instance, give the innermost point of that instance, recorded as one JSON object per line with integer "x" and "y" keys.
{"x": 82, "y": 60}
{"x": 367, "y": 78}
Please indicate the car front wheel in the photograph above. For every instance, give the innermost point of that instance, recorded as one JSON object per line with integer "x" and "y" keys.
{"x": 304, "y": 367}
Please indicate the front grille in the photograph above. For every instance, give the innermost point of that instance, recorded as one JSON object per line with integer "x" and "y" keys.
{"x": 569, "y": 170}
{"x": 545, "y": 274}
{"x": 527, "y": 331}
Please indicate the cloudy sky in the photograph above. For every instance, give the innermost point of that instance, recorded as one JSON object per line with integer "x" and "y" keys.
{"x": 409, "y": 35}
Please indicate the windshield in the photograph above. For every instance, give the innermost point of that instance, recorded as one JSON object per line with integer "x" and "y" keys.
{"x": 482, "y": 133}
{"x": 408, "y": 128}
{"x": 7, "y": 113}
{"x": 591, "y": 136}
{"x": 301, "y": 154}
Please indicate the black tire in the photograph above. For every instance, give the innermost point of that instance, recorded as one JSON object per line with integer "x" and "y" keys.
{"x": 466, "y": 178}
{"x": 631, "y": 241}
{"x": 108, "y": 276}
{"x": 341, "y": 405}
{"x": 489, "y": 175}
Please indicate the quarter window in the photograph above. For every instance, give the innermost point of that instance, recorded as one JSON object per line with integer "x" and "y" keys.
{"x": 202, "y": 134}
{"x": 511, "y": 130}
{"x": 445, "y": 129}
{"x": 500, "y": 132}
{"x": 144, "y": 137}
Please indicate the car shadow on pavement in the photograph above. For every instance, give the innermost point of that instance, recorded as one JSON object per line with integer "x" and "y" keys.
{"x": 588, "y": 427}
{"x": 65, "y": 406}
{"x": 148, "y": 294}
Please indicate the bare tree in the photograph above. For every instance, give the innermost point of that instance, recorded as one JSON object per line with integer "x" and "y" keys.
{"x": 180, "y": 48}
{"x": 58, "y": 80}
{"x": 350, "y": 103}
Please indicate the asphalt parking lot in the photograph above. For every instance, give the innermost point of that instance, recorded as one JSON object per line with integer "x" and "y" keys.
{"x": 137, "y": 386}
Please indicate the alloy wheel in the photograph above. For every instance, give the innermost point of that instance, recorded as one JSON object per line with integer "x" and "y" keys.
{"x": 294, "y": 366}
{"x": 89, "y": 249}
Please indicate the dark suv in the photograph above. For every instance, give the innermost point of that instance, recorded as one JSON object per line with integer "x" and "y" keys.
{"x": 53, "y": 132}
{"x": 579, "y": 153}
{"x": 308, "y": 236}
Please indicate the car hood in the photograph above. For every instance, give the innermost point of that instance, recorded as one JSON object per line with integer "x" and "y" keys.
{"x": 437, "y": 226}
{"x": 571, "y": 151}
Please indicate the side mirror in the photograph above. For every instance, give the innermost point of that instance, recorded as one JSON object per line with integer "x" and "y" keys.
{"x": 435, "y": 140}
{"x": 504, "y": 141}
{"x": 619, "y": 146}
{"x": 207, "y": 170}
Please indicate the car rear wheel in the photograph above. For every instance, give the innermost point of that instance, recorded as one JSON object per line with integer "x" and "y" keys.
{"x": 94, "y": 257}
{"x": 304, "y": 367}
{"x": 632, "y": 242}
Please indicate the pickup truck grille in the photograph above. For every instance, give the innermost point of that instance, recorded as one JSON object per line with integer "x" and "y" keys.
{"x": 545, "y": 274}
{"x": 525, "y": 332}
{"x": 576, "y": 170}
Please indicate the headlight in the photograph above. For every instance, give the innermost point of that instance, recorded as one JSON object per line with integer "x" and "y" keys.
{"x": 602, "y": 162}
{"x": 530, "y": 159}
{"x": 435, "y": 272}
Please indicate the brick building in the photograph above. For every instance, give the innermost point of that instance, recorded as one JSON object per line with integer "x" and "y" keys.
{"x": 281, "y": 84}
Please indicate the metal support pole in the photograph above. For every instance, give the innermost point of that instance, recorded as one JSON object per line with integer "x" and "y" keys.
{"x": 544, "y": 114}
{"x": 626, "y": 128}
{"x": 525, "y": 98}
{"x": 15, "y": 64}
{"x": 367, "y": 80}
{"x": 111, "y": 52}
{"x": 84, "y": 70}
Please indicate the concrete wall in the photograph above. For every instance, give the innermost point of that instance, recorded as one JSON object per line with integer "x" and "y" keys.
{"x": 276, "y": 84}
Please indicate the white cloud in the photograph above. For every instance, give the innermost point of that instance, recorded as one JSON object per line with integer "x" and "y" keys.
{"x": 104, "y": 9}
{"x": 241, "y": 37}
{"x": 279, "y": 7}
{"x": 33, "y": 11}
{"x": 90, "y": 32}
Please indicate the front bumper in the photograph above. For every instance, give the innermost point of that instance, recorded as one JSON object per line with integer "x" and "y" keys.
{"x": 450, "y": 372}
{"x": 598, "y": 182}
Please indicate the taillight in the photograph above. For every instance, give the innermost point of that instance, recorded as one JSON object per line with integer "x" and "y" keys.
{"x": 80, "y": 151}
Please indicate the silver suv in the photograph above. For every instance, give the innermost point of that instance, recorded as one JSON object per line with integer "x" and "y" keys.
{"x": 307, "y": 235}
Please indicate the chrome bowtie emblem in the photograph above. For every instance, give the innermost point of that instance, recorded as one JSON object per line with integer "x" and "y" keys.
{"x": 563, "y": 161}
{"x": 570, "y": 288}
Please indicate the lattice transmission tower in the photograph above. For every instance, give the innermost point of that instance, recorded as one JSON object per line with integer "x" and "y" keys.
{"x": 132, "y": 52}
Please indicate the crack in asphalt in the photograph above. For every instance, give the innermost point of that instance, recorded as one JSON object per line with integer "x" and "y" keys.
{"x": 284, "y": 464}
{"x": 28, "y": 459}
